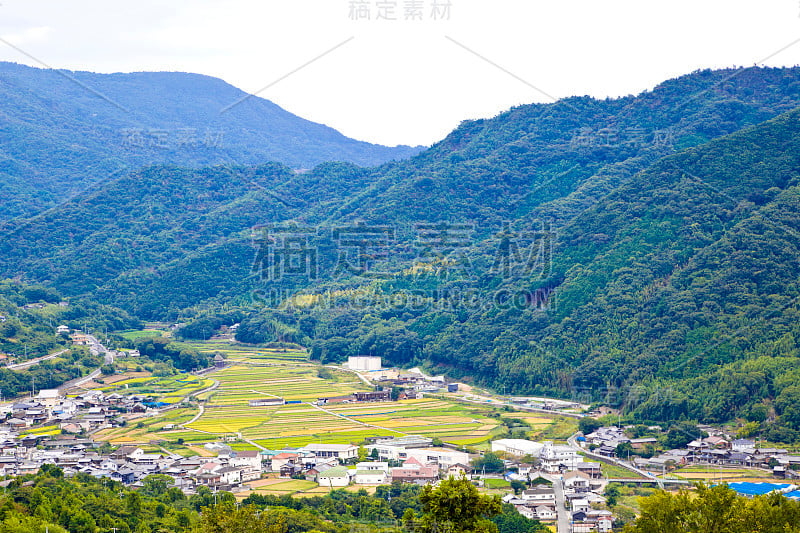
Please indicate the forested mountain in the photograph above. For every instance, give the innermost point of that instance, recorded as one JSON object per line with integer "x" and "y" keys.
{"x": 61, "y": 131}
{"x": 165, "y": 238}
{"x": 641, "y": 251}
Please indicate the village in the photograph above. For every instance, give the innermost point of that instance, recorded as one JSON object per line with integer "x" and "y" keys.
{"x": 550, "y": 477}
{"x": 563, "y": 484}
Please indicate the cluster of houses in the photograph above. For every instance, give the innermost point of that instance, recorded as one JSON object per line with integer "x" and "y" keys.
{"x": 582, "y": 482}
{"x": 330, "y": 465}
{"x": 88, "y": 411}
{"x": 580, "y": 493}
{"x": 383, "y": 395}
{"x": 717, "y": 449}
{"x": 413, "y": 382}
{"x": 413, "y": 457}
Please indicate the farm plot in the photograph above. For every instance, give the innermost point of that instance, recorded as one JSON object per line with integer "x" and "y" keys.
{"x": 429, "y": 417}
{"x": 143, "y": 430}
{"x": 238, "y": 352}
{"x": 241, "y": 383}
{"x": 723, "y": 474}
{"x": 228, "y": 410}
{"x": 170, "y": 389}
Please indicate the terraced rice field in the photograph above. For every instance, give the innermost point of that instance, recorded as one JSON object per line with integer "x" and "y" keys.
{"x": 241, "y": 383}
{"x": 430, "y": 417}
{"x": 228, "y": 411}
{"x": 169, "y": 389}
{"x": 151, "y": 428}
{"x": 255, "y": 373}
{"x": 233, "y": 352}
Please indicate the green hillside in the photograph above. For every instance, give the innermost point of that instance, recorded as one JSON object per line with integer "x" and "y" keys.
{"x": 639, "y": 251}
{"x": 62, "y": 132}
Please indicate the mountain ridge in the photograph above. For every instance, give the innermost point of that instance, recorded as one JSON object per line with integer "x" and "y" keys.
{"x": 62, "y": 132}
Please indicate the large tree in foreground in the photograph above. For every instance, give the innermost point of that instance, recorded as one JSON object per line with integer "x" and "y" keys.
{"x": 455, "y": 505}
{"x": 716, "y": 509}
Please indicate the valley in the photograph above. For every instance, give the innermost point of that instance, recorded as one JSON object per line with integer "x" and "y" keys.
{"x": 573, "y": 313}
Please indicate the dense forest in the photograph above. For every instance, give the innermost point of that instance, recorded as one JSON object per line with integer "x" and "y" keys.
{"x": 639, "y": 252}
{"x": 84, "y": 504}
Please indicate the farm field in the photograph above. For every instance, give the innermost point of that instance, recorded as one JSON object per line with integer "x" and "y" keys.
{"x": 243, "y": 382}
{"x": 169, "y": 389}
{"x": 234, "y": 352}
{"x": 617, "y": 472}
{"x": 228, "y": 411}
{"x": 431, "y": 417}
{"x": 133, "y": 335}
{"x": 695, "y": 473}
{"x": 144, "y": 429}
{"x": 255, "y": 373}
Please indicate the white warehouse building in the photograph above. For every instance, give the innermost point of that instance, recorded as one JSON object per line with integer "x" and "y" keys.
{"x": 364, "y": 363}
{"x": 519, "y": 447}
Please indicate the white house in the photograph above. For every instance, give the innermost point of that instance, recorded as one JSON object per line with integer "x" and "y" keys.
{"x": 250, "y": 463}
{"x": 342, "y": 452}
{"x": 553, "y": 457}
{"x": 370, "y": 477}
{"x": 334, "y": 477}
{"x": 230, "y": 475}
{"x": 576, "y": 482}
{"x": 544, "y": 512}
{"x": 373, "y": 466}
{"x": 581, "y": 506}
{"x": 527, "y": 512}
{"x": 605, "y": 524}
{"x": 519, "y": 447}
{"x": 49, "y": 397}
{"x": 442, "y": 457}
{"x": 62, "y": 329}
{"x": 389, "y": 452}
{"x": 539, "y": 495}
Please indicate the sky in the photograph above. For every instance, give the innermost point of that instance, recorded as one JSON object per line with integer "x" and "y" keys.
{"x": 405, "y": 71}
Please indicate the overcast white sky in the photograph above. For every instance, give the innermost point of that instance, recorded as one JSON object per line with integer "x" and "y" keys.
{"x": 406, "y": 81}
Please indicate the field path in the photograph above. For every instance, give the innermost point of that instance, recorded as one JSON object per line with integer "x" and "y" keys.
{"x": 194, "y": 419}
{"x": 355, "y": 421}
{"x": 248, "y": 441}
{"x": 365, "y": 380}
{"x": 202, "y": 407}
{"x": 264, "y": 393}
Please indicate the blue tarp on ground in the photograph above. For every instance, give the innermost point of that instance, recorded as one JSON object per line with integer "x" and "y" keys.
{"x": 795, "y": 495}
{"x": 747, "y": 488}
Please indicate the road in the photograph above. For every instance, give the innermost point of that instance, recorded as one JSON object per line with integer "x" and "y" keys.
{"x": 623, "y": 464}
{"x": 561, "y": 509}
{"x": 250, "y": 442}
{"x": 95, "y": 348}
{"x": 26, "y": 364}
